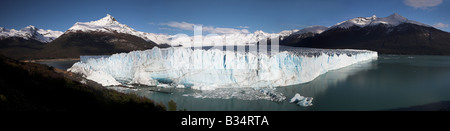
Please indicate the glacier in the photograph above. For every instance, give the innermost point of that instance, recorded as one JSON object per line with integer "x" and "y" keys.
{"x": 210, "y": 69}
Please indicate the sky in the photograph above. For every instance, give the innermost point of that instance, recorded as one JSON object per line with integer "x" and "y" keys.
{"x": 216, "y": 16}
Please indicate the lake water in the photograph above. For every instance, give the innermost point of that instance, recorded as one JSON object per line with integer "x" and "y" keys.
{"x": 64, "y": 65}
{"x": 391, "y": 82}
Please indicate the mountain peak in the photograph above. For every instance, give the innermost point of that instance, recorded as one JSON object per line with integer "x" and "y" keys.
{"x": 31, "y": 30}
{"x": 105, "y": 24}
{"x": 374, "y": 16}
{"x": 398, "y": 17}
{"x": 107, "y": 20}
{"x": 30, "y": 27}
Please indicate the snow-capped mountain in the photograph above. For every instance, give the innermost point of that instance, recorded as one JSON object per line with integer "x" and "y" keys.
{"x": 102, "y": 37}
{"x": 287, "y": 32}
{"x": 50, "y": 35}
{"x": 392, "y": 20}
{"x": 106, "y": 24}
{"x": 394, "y": 34}
{"x": 109, "y": 24}
{"x": 30, "y": 32}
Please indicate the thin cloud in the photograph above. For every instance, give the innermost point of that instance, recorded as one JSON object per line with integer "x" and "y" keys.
{"x": 422, "y": 4}
{"x": 210, "y": 29}
{"x": 440, "y": 25}
{"x": 169, "y": 29}
{"x": 243, "y": 27}
{"x": 180, "y": 25}
{"x": 217, "y": 30}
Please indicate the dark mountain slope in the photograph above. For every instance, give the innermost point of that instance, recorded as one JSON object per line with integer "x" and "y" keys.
{"x": 405, "y": 38}
{"x": 19, "y": 48}
{"x": 74, "y": 44}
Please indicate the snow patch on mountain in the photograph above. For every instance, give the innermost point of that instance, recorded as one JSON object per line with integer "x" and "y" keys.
{"x": 50, "y": 35}
{"x": 392, "y": 20}
{"x": 111, "y": 25}
{"x": 317, "y": 29}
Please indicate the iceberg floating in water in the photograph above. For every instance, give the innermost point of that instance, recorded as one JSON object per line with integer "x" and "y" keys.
{"x": 210, "y": 69}
{"x": 301, "y": 100}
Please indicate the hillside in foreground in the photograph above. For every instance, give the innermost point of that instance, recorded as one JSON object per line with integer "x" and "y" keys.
{"x": 36, "y": 87}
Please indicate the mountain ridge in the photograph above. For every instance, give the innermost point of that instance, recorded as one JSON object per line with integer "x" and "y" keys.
{"x": 110, "y": 24}
{"x": 399, "y": 36}
{"x": 30, "y": 32}
{"x": 391, "y": 20}
{"x": 102, "y": 37}
{"x": 393, "y": 34}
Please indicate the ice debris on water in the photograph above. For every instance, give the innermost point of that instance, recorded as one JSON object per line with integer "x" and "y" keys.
{"x": 301, "y": 100}
{"x": 241, "y": 93}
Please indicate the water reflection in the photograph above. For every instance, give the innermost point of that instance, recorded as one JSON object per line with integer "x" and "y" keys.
{"x": 329, "y": 79}
{"x": 392, "y": 82}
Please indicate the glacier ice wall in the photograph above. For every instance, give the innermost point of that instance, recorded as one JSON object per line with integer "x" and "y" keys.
{"x": 214, "y": 68}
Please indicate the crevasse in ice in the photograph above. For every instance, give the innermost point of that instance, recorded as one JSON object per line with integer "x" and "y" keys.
{"x": 214, "y": 68}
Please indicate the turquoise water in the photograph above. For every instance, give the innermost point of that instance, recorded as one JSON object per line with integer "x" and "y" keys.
{"x": 391, "y": 82}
